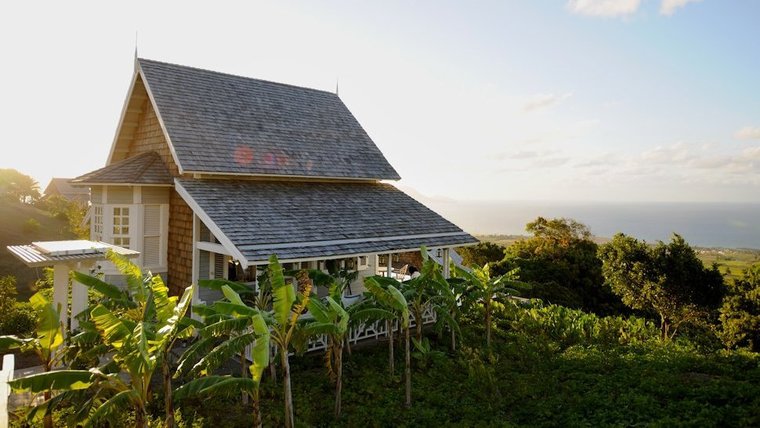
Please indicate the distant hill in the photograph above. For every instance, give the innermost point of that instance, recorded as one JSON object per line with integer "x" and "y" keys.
{"x": 13, "y": 216}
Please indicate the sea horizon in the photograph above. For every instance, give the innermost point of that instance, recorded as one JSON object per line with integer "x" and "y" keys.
{"x": 702, "y": 224}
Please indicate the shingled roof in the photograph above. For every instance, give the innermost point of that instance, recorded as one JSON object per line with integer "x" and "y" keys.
{"x": 146, "y": 168}
{"x": 221, "y": 123}
{"x": 297, "y": 220}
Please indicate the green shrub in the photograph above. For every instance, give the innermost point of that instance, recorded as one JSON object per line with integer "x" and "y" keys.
{"x": 31, "y": 226}
{"x": 19, "y": 321}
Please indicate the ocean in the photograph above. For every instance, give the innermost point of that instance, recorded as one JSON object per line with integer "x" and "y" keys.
{"x": 728, "y": 225}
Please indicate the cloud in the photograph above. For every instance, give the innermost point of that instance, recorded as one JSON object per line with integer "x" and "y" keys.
{"x": 604, "y": 8}
{"x": 748, "y": 133}
{"x": 668, "y": 7}
{"x": 550, "y": 162}
{"x": 542, "y": 101}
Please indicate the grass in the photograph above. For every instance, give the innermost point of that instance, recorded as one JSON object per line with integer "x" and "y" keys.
{"x": 13, "y": 215}
{"x": 731, "y": 262}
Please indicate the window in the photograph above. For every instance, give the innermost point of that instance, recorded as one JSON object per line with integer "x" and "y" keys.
{"x": 97, "y": 222}
{"x": 121, "y": 226}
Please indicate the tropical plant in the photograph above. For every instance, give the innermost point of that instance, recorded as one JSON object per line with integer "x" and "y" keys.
{"x": 385, "y": 292}
{"x": 46, "y": 342}
{"x": 139, "y": 327}
{"x": 240, "y": 326}
{"x": 486, "y": 289}
{"x": 288, "y": 307}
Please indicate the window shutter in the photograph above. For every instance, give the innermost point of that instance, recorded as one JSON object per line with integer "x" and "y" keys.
{"x": 152, "y": 236}
{"x": 218, "y": 266}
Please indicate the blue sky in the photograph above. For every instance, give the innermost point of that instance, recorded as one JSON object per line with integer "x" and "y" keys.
{"x": 589, "y": 100}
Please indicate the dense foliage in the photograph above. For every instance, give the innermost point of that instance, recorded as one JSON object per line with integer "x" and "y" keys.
{"x": 18, "y": 318}
{"x": 561, "y": 261}
{"x": 508, "y": 361}
{"x": 667, "y": 279}
{"x": 740, "y": 313}
{"x": 15, "y": 186}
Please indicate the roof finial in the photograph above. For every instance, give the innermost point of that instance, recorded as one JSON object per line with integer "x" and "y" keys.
{"x": 135, "y": 45}
{"x": 337, "y": 81}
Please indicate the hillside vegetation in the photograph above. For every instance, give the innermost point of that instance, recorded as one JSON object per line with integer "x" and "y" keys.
{"x": 22, "y": 224}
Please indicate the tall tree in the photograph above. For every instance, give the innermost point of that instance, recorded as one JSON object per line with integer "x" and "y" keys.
{"x": 560, "y": 259}
{"x": 19, "y": 187}
{"x": 667, "y": 279}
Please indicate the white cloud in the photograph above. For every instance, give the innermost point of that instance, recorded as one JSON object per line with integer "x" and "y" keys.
{"x": 604, "y": 8}
{"x": 542, "y": 101}
{"x": 668, "y": 7}
{"x": 748, "y": 133}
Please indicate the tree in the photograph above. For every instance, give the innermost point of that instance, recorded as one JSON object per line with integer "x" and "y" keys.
{"x": 287, "y": 308}
{"x": 18, "y": 187}
{"x": 740, "y": 312}
{"x": 240, "y": 325}
{"x": 385, "y": 292}
{"x": 138, "y": 327}
{"x": 48, "y": 339}
{"x": 331, "y": 319}
{"x": 482, "y": 253}
{"x": 561, "y": 262}
{"x": 667, "y": 279}
{"x": 485, "y": 289}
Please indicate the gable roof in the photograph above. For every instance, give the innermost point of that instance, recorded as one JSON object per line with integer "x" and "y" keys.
{"x": 302, "y": 220}
{"x": 61, "y": 186}
{"x": 218, "y": 123}
{"x": 146, "y": 169}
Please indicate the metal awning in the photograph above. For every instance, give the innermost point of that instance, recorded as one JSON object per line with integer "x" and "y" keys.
{"x": 50, "y": 253}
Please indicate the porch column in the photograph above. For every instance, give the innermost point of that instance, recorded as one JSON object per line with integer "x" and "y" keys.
{"x": 61, "y": 293}
{"x": 389, "y": 273}
{"x": 195, "y": 267}
{"x": 446, "y": 263}
{"x": 79, "y": 294}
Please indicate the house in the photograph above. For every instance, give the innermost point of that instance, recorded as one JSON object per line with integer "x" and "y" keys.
{"x": 61, "y": 187}
{"x": 210, "y": 173}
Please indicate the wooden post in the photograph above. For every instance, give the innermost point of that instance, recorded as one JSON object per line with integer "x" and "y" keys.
{"x": 6, "y": 375}
{"x": 195, "y": 264}
{"x": 446, "y": 263}
{"x": 389, "y": 273}
{"x": 61, "y": 293}
{"x": 79, "y": 295}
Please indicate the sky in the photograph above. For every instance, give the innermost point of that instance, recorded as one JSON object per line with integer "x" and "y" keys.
{"x": 547, "y": 100}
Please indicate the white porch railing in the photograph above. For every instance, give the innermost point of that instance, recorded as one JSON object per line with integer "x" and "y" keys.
{"x": 6, "y": 375}
{"x": 370, "y": 331}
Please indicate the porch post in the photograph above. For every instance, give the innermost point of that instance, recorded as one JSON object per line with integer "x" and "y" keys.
{"x": 79, "y": 294}
{"x": 389, "y": 273}
{"x": 446, "y": 263}
{"x": 61, "y": 293}
{"x": 195, "y": 267}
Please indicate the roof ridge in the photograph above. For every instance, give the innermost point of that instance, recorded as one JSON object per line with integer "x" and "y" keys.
{"x": 206, "y": 70}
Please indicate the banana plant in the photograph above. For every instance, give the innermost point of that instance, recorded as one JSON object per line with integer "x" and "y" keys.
{"x": 46, "y": 342}
{"x": 240, "y": 326}
{"x": 485, "y": 289}
{"x": 330, "y": 319}
{"x": 139, "y": 332}
{"x": 385, "y": 292}
{"x": 428, "y": 291}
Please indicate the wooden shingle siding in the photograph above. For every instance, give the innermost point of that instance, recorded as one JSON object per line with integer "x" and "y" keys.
{"x": 149, "y": 137}
{"x": 180, "y": 251}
